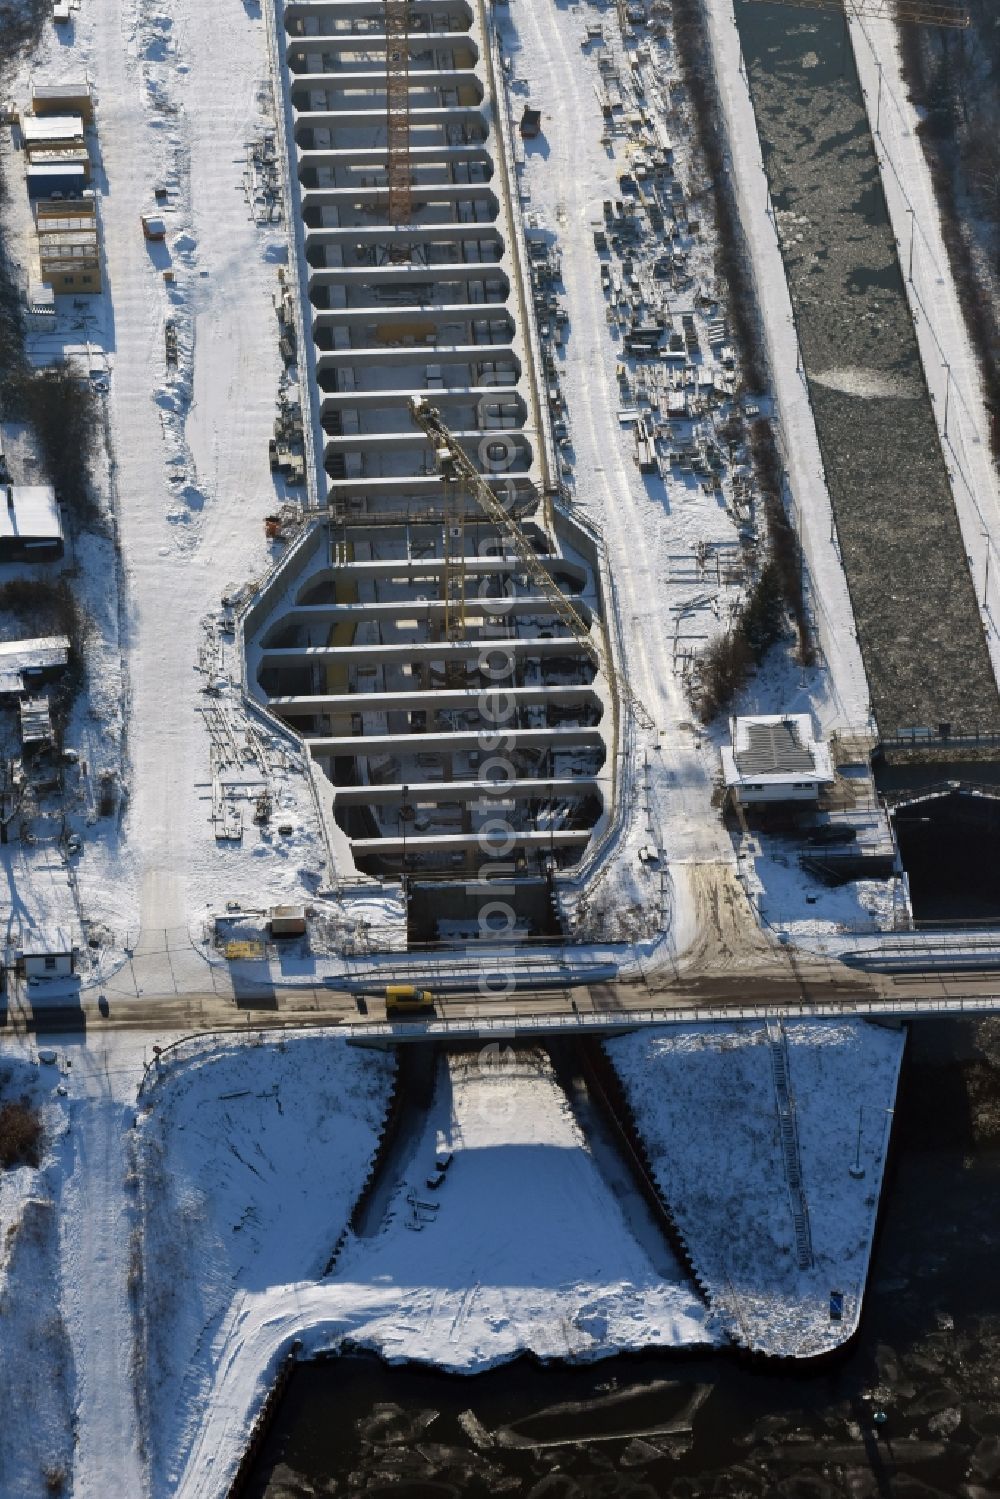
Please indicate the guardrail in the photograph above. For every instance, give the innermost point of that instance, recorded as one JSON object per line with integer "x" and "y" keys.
{"x": 528, "y": 1027}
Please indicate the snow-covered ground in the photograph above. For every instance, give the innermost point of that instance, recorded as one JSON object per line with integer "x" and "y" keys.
{"x": 250, "y": 1156}
{"x": 650, "y": 524}
{"x": 36, "y": 1363}
{"x": 189, "y": 468}
{"x": 522, "y": 1247}
{"x": 705, "y": 1102}
{"x": 189, "y": 455}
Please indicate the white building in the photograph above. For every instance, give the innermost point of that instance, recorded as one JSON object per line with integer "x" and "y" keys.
{"x": 30, "y": 526}
{"x": 48, "y": 956}
{"x": 775, "y": 757}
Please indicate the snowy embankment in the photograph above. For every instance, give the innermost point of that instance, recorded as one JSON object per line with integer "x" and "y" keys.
{"x": 842, "y": 700}
{"x": 36, "y": 1365}
{"x": 564, "y": 181}
{"x": 951, "y": 368}
{"x": 522, "y": 1247}
{"x": 706, "y": 1105}
{"x": 250, "y": 1157}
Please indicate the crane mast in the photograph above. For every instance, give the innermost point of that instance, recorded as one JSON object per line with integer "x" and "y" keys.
{"x": 397, "y": 69}
{"x": 457, "y": 468}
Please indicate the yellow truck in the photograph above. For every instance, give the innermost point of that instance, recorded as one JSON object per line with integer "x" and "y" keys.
{"x": 406, "y": 999}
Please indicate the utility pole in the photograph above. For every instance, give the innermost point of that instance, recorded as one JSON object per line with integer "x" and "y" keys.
{"x": 947, "y": 393}
{"x": 913, "y": 214}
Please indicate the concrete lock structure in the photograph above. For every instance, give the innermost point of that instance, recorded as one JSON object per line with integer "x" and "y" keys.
{"x": 452, "y": 712}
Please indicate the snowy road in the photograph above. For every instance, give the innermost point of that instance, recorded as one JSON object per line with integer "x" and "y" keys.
{"x": 568, "y": 182}
{"x": 95, "y": 1256}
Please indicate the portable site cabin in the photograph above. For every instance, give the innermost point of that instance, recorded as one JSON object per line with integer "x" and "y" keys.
{"x": 55, "y": 179}
{"x": 30, "y": 527}
{"x": 287, "y": 921}
{"x": 775, "y": 758}
{"x": 40, "y": 301}
{"x": 74, "y": 97}
{"x": 47, "y": 132}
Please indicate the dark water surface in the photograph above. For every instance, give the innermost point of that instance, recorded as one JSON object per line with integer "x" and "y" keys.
{"x": 928, "y": 1356}
{"x": 917, "y": 614}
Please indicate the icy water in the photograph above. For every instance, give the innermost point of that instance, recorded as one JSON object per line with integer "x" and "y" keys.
{"x": 916, "y": 610}
{"x": 928, "y": 1356}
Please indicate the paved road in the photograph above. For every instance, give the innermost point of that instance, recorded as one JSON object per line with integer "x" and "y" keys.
{"x": 790, "y": 984}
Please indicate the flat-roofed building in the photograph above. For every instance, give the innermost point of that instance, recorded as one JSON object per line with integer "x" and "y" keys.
{"x": 52, "y": 130}
{"x": 776, "y": 757}
{"x": 69, "y": 251}
{"x": 74, "y": 97}
{"x": 25, "y": 664}
{"x": 30, "y": 526}
{"x": 57, "y": 178}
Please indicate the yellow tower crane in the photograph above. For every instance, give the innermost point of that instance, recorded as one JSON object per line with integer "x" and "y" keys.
{"x": 460, "y": 473}
{"x": 397, "y": 70}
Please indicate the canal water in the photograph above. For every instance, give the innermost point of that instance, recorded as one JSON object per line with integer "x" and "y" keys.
{"x": 912, "y": 1410}
{"x": 917, "y": 614}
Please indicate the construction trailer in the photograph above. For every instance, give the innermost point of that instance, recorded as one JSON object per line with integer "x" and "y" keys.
{"x": 52, "y": 131}
{"x": 30, "y": 524}
{"x": 74, "y": 97}
{"x": 56, "y": 179}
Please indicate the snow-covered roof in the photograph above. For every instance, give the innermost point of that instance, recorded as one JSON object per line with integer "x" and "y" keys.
{"x": 775, "y": 748}
{"x": 77, "y": 88}
{"x": 46, "y": 944}
{"x": 42, "y": 128}
{"x": 17, "y": 657}
{"x": 28, "y": 512}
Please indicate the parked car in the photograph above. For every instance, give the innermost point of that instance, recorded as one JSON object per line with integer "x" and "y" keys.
{"x": 830, "y": 833}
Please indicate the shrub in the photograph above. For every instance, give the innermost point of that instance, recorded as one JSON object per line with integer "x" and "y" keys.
{"x": 722, "y": 671}
{"x": 20, "y": 1135}
{"x": 62, "y": 408}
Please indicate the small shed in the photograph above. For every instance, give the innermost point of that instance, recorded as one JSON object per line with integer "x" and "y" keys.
{"x": 30, "y": 527}
{"x": 775, "y": 758}
{"x": 26, "y": 663}
{"x": 48, "y": 955}
{"x": 40, "y": 301}
{"x": 287, "y": 921}
{"x": 36, "y": 722}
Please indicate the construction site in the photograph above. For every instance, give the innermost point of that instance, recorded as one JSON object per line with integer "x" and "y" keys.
{"x": 448, "y": 604}
{"x": 535, "y": 676}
